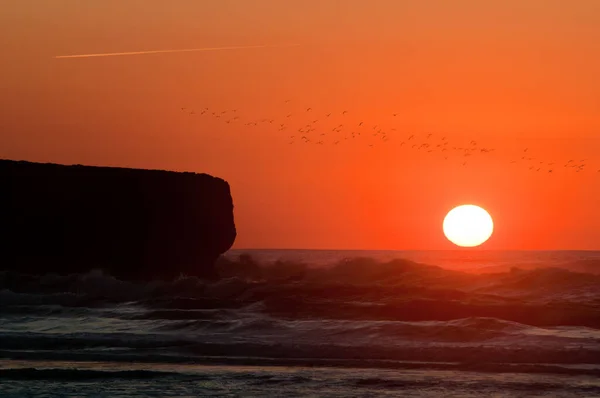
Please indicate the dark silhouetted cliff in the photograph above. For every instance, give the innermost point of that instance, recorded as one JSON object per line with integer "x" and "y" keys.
{"x": 133, "y": 223}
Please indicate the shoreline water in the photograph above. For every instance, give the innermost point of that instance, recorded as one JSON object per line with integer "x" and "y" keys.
{"x": 371, "y": 323}
{"x": 110, "y": 380}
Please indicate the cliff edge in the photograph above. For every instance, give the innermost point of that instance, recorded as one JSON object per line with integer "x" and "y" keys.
{"x": 132, "y": 223}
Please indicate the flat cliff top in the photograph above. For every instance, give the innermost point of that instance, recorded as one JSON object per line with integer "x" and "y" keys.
{"x": 8, "y": 163}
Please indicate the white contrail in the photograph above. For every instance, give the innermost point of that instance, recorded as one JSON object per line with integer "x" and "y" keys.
{"x": 171, "y": 51}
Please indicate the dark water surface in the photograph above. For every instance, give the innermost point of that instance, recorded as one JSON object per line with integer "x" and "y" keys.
{"x": 317, "y": 323}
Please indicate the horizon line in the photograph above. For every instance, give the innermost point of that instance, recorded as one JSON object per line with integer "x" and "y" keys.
{"x": 171, "y": 51}
{"x": 425, "y": 250}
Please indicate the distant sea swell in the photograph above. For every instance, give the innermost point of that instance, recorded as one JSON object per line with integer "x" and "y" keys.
{"x": 312, "y": 308}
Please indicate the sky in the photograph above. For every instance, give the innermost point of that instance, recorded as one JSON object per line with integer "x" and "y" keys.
{"x": 509, "y": 75}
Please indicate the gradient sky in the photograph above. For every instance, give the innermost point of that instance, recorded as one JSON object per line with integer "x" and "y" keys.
{"x": 509, "y": 74}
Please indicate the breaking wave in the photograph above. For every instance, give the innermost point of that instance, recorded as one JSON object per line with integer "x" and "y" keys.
{"x": 285, "y": 312}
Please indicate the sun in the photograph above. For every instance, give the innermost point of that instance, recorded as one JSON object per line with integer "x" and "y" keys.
{"x": 468, "y": 226}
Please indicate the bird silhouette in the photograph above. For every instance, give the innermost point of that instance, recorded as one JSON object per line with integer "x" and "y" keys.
{"x": 429, "y": 144}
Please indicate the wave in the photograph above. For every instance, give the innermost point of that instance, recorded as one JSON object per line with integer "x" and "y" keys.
{"x": 358, "y": 289}
{"x": 581, "y": 265}
{"x": 82, "y": 374}
{"x": 354, "y": 312}
{"x": 88, "y": 370}
{"x": 255, "y": 335}
{"x": 243, "y": 273}
{"x": 419, "y": 379}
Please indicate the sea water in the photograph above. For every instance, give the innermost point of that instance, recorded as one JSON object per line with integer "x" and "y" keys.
{"x": 312, "y": 323}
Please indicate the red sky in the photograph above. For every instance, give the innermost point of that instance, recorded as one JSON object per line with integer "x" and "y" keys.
{"x": 509, "y": 74}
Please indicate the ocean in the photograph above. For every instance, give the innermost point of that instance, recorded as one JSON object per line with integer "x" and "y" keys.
{"x": 312, "y": 323}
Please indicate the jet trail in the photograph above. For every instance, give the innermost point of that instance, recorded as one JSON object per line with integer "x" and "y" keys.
{"x": 170, "y": 51}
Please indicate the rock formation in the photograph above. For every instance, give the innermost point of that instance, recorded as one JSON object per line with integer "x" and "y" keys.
{"x": 132, "y": 223}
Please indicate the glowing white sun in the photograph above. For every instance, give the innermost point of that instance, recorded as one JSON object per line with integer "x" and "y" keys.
{"x": 468, "y": 226}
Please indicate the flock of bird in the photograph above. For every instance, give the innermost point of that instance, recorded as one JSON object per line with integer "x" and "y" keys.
{"x": 306, "y": 126}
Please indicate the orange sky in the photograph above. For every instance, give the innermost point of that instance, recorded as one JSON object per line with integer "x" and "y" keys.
{"x": 508, "y": 74}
